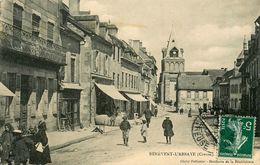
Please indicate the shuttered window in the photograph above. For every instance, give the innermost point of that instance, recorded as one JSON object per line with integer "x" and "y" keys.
{"x": 50, "y": 29}
{"x": 36, "y": 25}
{"x": 17, "y": 16}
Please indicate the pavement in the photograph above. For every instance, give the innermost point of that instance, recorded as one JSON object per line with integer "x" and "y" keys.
{"x": 109, "y": 149}
{"x": 59, "y": 139}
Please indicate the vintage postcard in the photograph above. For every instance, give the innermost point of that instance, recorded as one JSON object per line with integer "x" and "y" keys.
{"x": 130, "y": 82}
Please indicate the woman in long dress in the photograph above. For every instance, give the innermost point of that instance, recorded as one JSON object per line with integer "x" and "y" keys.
{"x": 38, "y": 157}
{"x": 168, "y": 129}
{"x": 6, "y": 142}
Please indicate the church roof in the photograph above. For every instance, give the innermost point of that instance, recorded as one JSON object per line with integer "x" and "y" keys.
{"x": 194, "y": 82}
{"x": 171, "y": 45}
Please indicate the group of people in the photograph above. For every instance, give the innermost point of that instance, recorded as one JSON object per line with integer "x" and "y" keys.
{"x": 166, "y": 125}
{"x": 18, "y": 147}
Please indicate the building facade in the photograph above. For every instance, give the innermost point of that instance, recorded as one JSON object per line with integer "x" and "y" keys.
{"x": 194, "y": 92}
{"x": 130, "y": 82}
{"x": 30, "y": 59}
{"x": 66, "y": 67}
{"x": 235, "y": 84}
{"x": 250, "y": 77}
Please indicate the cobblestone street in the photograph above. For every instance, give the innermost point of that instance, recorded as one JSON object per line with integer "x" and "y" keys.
{"x": 108, "y": 149}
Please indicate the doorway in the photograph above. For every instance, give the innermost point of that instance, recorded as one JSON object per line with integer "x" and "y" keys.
{"x": 69, "y": 116}
{"x": 24, "y": 98}
{"x": 205, "y": 107}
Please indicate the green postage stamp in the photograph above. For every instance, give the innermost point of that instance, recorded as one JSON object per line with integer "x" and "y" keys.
{"x": 236, "y": 136}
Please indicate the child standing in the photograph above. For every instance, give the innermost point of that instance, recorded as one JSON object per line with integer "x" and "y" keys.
{"x": 125, "y": 128}
{"x": 144, "y": 130}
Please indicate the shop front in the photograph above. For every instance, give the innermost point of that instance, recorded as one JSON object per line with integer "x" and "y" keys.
{"x": 108, "y": 99}
{"x": 69, "y": 106}
{"x": 137, "y": 104}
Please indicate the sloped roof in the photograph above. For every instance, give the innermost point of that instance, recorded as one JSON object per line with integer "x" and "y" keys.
{"x": 214, "y": 73}
{"x": 241, "y": 55}
{"x": 116, "y": 40}
{"x": 227, "y": 75}
{"x": 194, "y": 82}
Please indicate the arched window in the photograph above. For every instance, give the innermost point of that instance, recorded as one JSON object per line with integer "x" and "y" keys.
{"x": 167, "y": 66}
{"x": 171, "y": 66}
{"x": 175, "y": 66}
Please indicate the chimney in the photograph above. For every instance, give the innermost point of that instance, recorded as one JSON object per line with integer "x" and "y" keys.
{"x": 74, "y": 7}
{"x": 103, "y": 29}
{"x": 112, "y": 29}
{"x": 136, "y": 45}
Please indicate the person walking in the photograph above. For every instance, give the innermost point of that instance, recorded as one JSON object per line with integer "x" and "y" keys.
{"x": 189, "y": 113}
{"x": 200, "y": 111}
{"x": 6, "y": 142}
{"x": 155, "y": 111}
{"x": 41, "y": 154}
{"x": 20, "y": 148}
{"x": 144, "y": 130}
{"x": 148, "y": 115}
{"x": 168, "y": 129}
{"x": 113, "y": 116}
{"x": 125, "y": 128}
{"x": 181, "y": 111}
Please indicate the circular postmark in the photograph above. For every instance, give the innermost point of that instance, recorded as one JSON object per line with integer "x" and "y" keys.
{"x": 202, "y": 136}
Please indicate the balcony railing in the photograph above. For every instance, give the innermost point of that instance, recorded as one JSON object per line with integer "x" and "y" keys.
{"x": 129, "y": 58}
{"x": 19, "y": 40}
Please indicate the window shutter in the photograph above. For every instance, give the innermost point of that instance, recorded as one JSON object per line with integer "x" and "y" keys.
{"x": 30, "y": 82}
{"x": 4, "y": 78}
{"x": 18, "y": 82}
{"x": 55, "y": 85}
{"x": 33, "y": 83}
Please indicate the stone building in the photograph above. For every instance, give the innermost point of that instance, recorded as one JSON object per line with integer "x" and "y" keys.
{"x": 173, "y": 63}
{"x": 73, "y": 36}
{"x": 250, "y": 77}
{"x": 148, "y": 74}
{"x": 235, "y": 83}
{"x": 130, "y": 82}
{"x": 193, "y": 92}
{"x": 30, "y": 59}
{"x": 101, "y": 66}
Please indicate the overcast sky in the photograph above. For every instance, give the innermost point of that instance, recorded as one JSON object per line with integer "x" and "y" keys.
{"x": 211, "y": 32}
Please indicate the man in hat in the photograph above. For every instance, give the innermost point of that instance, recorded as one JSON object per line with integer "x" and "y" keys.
{"x": 148, "y": 115}
{"x": 125, "y": 128}
{"x": 168, "y": 129}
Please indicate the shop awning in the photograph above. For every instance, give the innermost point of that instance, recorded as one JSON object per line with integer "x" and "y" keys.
{"x": 71, "y": 86}
{"x": 4, "y": 91}
{"x": 136, "y": 97}
{"x": 111, "y": 91}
